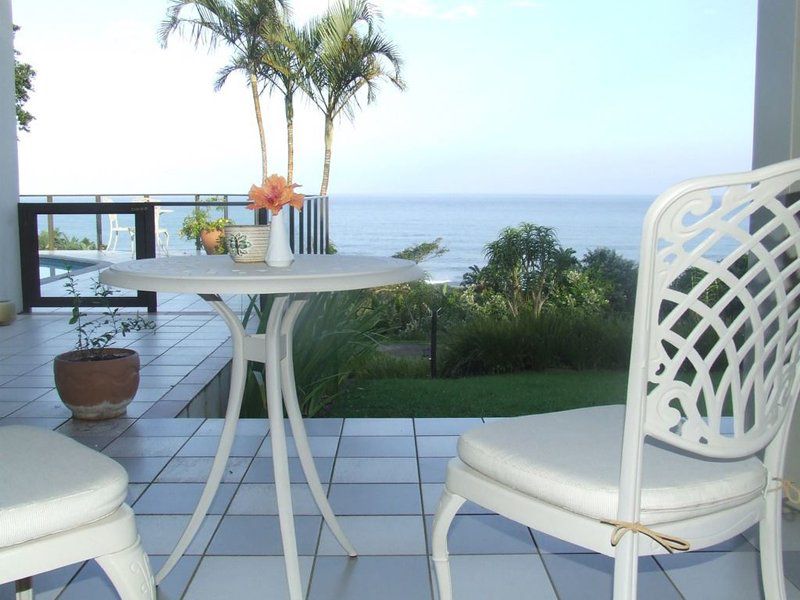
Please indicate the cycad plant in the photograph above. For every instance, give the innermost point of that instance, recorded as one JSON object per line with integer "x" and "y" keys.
{"x": 347, "y": 54}
{"x": 239, "y": 24}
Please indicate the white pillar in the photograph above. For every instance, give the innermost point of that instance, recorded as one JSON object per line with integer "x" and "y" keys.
{"x": 10, "y": 285}
{"x": 776, "y": 124}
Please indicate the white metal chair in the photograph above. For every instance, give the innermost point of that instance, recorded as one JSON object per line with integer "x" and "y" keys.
{"x": 162, "y": 234}
{"x": 114, "y": 230}
{"x": 661, "y": 474}
{"x": 62, "y": 503}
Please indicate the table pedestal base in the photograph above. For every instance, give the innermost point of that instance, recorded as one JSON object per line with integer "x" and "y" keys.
{"x": 274, "y": 349}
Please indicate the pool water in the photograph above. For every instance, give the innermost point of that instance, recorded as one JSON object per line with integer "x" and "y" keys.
{"x": 55, "y": 267}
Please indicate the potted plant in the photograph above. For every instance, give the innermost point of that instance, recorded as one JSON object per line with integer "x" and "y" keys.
{"x": 204, "y": 230}
{"x": 7, "y": 312}
{"x": 97, "y": 381}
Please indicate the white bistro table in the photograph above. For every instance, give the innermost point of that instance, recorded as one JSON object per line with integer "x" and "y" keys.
{"x": 212, "y": 276}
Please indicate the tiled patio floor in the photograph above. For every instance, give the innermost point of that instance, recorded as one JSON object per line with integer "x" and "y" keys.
{"x": 383, "y": 477}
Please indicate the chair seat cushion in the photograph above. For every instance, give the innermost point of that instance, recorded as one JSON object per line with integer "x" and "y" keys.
{"x": 50, "y": 483}
{"x": 571, "y": 459}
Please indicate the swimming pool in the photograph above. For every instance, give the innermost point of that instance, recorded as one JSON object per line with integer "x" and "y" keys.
{"x": 52, "y": 268}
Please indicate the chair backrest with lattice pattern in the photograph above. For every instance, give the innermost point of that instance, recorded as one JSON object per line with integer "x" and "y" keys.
{"x": 716, "y": 328}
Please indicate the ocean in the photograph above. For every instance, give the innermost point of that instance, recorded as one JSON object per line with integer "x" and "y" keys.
{"x": 382, "y": 225}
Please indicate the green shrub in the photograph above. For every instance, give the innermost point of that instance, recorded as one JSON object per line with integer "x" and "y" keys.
{"x": 330, "y": 336}
{"x": 563, "y": 339}
{"x": 61, "y": 241}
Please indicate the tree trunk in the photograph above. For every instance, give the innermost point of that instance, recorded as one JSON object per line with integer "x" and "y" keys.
{"x": 289, "y": 138}
{"x": 326, "y": 169}
{"x": 261, "y": 134}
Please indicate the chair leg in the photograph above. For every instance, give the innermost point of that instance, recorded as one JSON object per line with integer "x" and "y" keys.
{"x": 24, "y": 588}
{"x": 626, "y": 567}
{"x": 448, "y": 507}
{"x": 129, "y": 571}
{"x": 769, "y": 541}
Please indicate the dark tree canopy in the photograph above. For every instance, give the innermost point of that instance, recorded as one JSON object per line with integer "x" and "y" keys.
{"x": 23, "y": 85}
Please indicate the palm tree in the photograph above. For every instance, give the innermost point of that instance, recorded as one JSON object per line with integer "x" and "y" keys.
{"x": 237, "y": 23}
{"x": 282, "y": 68}
{"x": 350, "y": 53}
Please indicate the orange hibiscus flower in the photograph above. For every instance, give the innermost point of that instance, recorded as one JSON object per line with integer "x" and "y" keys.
{"x": 274, "y": 194}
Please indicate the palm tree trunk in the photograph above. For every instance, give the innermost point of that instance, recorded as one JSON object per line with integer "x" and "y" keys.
{"x": 261, "y": 134}
{"x": 289, "y": 138}
{"x": 326, "y": 169}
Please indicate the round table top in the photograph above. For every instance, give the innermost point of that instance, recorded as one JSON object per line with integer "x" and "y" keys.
{"x": 220, "y": 275}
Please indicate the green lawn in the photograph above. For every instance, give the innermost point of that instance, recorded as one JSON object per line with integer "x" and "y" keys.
{"x": 488, "y": 396}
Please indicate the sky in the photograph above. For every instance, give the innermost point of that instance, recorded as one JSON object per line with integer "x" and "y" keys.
{"x": 503, "y": 96}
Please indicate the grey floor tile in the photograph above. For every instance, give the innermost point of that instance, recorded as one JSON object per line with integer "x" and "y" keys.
{"x": 371, "y": 446}
{"x": 437, "y": 445}
{"x": 324, "y": 445}
{"x": 243, "y": 577}
{"x": 714, "y": 575}
{"x": 582, "y": 576}
{"x": 142, "y": 469}
{"x": 378, "y": 427}
{"x": 445, "y": 426}
{"x": 240, "y": 535}
{"x": 33, "y": 421}
{"x": 375, "y": 499}
{"x": 164, "y": 427}
{"x": 433, "y": 470}
{"x": 46, "y": 586}
{"x": 134, "y": 491}
{"x": 53, "y": 409}
{"x": 145, "y": 446}
{"x": 548, "y": 544}
{"x": 196, "y": 469}
{"x": 384, "y": 535}
{"x": 260, "y": 499}
{"x": 174, "y": 585}
{"x": 431, "y": 492}
{"x": 376, "y": 470}
{"x": 160, "y": 533}
{"x": 323, "y": 426}
{"x": 181, "y": 499}
{"x": 486, "y": 534}
{"x": 10, "y": 408}
{"x": 510, "y": 577}
{"x": 28, "y": 394}
{"x": 108, "y": 427}
{"x": 206, "y": 445}
{"x": 370, "y": 577}
{"x": 243, "y": 427}
{"x": 261, "y": 470}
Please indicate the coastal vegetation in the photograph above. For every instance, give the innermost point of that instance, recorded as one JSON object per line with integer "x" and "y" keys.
{"x": 23, "y": 86}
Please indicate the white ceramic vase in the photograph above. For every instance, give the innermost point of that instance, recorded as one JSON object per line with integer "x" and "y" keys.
{"x": 247, "y": 243}
{"x": 279, "y": 253}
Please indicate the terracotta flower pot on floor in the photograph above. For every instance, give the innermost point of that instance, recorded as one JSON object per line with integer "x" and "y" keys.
{"x": 97, "y": 385}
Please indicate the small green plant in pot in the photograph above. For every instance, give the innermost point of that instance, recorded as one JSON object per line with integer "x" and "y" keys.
{"x": 97, "y": 381}
{"x": 204, "y": 230}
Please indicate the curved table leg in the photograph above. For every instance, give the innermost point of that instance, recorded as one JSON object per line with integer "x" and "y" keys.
{"x": 299, "y": 430}
{"x": 280, "y": 457}
{"x": 238, "y": 374}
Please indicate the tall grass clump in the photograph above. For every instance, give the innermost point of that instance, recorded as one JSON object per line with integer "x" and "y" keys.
{"x": 331, "y": 336}
{"x": 526, "y": 342}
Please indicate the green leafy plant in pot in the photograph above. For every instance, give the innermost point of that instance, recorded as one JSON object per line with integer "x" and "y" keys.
{"x": 97, "y": 381}
{"x": 205, "y": 231}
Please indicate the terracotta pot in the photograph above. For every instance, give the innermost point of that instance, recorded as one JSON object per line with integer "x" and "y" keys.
{"x": 97, "y": 389}
{"x": 211, "y": 241}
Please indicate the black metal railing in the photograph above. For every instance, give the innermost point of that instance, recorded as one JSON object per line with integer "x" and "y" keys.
{"x": 308, "y": 233}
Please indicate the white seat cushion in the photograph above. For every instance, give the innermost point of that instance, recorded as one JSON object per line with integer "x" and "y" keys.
{"x": 50, "y": 483}
{"x": 571, "y": 459}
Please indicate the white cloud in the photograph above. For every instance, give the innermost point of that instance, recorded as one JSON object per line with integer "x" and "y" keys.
{"x": 526, "y": 4}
